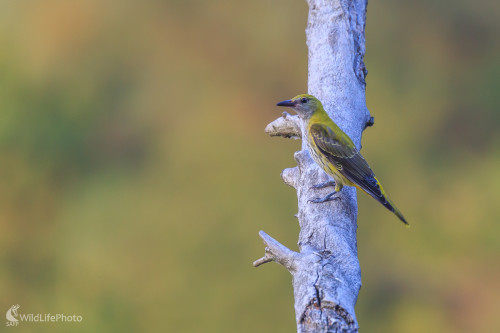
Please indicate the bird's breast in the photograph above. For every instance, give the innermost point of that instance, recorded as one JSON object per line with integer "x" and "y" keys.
{"x": 323, "y": 162}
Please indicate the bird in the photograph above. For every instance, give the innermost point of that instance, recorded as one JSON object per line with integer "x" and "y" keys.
{"x": 336, "y": 154}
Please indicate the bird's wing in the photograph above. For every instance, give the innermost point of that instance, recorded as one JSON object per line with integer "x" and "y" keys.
{"x": 342, "y": 153}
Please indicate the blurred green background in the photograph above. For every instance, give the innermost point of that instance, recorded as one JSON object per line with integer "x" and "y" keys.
{"x": 135, "y": 171}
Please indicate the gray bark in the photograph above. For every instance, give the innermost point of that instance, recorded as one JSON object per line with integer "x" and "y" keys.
{"x": 326, "y": 273}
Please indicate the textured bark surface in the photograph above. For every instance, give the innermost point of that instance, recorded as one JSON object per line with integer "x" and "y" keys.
{"x": 326, "y": 273}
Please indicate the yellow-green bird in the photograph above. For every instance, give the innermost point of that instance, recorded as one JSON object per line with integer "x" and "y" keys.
{"x": 335, "y": 153}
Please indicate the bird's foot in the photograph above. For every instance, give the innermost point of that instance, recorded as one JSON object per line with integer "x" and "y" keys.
{"x": 326, "y": 198}
{"x": 324, "y": 184}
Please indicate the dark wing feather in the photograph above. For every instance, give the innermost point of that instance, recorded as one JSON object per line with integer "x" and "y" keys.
{"x": 341, "y": 152}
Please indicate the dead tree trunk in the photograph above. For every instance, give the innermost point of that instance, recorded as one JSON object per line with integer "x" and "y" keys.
{"x": 326, "y": 273}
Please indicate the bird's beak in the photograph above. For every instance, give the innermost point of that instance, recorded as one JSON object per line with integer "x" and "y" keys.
{"x": 288, "y": 102}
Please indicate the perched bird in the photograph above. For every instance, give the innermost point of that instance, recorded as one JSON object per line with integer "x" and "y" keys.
{"x": 335, "y": 152}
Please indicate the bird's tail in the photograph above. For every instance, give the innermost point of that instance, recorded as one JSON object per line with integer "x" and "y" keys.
{"x": 372, "y": 187}
{"x": 390, "y": 205}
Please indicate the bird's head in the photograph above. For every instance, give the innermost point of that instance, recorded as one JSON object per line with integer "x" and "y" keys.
{"x": 305, "y": 105}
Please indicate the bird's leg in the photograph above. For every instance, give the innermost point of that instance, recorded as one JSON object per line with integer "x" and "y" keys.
{"x": 329, "y": 197}
{"x": 328, "y": 183}
{"x": 326, "y": 198}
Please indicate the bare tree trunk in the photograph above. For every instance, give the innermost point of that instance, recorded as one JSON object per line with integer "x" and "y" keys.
{"x": 326, "y": 273}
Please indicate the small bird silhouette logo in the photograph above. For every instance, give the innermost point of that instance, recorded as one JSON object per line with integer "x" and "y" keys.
{"x": 12, "y": 313}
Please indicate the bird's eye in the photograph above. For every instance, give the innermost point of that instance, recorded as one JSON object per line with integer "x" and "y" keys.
{"x": 303, "y": 100}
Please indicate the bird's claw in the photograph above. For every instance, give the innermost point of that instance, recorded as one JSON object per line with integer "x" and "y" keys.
{"x": 329, "y": 197}
{"x": 324, "y": 184}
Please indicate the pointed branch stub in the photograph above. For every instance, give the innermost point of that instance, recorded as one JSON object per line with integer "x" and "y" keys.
{"x": 287, "y": 126}
{"x": 275, "y": 251}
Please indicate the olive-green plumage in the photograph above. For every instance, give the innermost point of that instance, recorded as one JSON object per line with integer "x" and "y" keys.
{"x": 335, "y": 152}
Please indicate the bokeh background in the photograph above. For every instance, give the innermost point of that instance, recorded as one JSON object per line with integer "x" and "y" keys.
{"x": 135, "y": 172}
